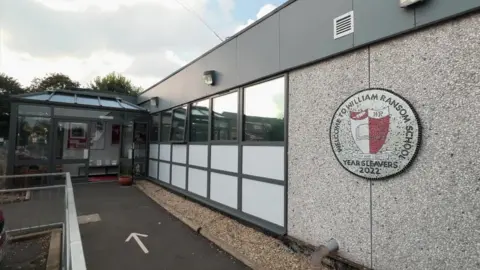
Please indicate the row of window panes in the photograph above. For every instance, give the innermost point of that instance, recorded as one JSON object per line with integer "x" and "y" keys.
{"x": 264, "y": 106}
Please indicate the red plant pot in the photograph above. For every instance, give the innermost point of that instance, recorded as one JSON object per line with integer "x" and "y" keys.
{"x": 125, "y": 180}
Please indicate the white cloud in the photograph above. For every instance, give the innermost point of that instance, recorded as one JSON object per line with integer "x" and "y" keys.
{"x": 262, "y": 12}
{"x": 113, "y": 5}
{"x": 174, "y": 58}
{"x": 144, "y": 40}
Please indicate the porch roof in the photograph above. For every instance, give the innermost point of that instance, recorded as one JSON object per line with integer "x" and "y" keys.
{"x": 90, "y": 99}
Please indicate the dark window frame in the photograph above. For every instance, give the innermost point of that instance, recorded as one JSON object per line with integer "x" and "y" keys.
{"x": 185, "y": 107}
{"x": 190, "y": 122}
{"x": 152, "y": 127}
{"x": 18, "y": 122}
{"x": 212, "y": 115}
{"x": 162, "y": 117}
{"x": 244, "y": 116}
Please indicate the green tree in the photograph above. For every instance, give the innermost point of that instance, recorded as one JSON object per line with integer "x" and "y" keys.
{"x": 8, "y": 86}
{"x": 114, "y": 82}
{"x": 53, "y": 81}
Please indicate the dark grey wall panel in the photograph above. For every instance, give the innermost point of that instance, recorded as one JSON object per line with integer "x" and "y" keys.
{"x": 224, "y": 61}
{"x": 298, "y": 33}
{"x": 258, "y": 50}
{"x": 188, "y": 84}
{"x": 306, "y": 31}
{"x": 433, "y": 10}
{"x": 377, "y": 19}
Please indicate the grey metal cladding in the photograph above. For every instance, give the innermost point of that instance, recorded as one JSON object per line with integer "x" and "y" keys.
{"x": 378, "y": 19}
{"x": 224, "y": 61}
{"x": 434, "y": 10}
{"x": 188, "y": 85}
{"x": 258, "y": 50}
{"x": 306, "y": 31}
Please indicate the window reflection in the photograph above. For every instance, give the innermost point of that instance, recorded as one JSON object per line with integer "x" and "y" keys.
{"x": 178, "y": 124}
{"x": 127, "y": 140}
{"x": 154, "y": 128}
{"x": 199, "y": 121}
{"x": 140, "y": 140}
{"x": 32, "y": 138}
{"x": 264, "y": 110}
{"x": 71, "y": 140}
{"x": 33, "y": 110}
{"x": 225, "y": 110}
{"x": 27, "y": 182}
{"x": 84, "y": 113}
{"x": 165, "y": 123}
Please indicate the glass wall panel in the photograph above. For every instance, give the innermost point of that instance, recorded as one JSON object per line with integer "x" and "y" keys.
{"x": 62, "y": 98}
{"x": 72, "y": 140}
{"x": 127, "y": 140}
{"x": 75, "y": 170}
{"x": 199, "y": 121}
{"x": 34, "y": 110}
{"x": 25, "y": 182}
{"x": 178, "y": 124}
{"x": 5, "y": 107}
{"x": 140, "y": 140}
{"x": 264, "y": 111}
{"x": 154, "y": 128}
{"x": 166, "y": 120}
{"x": 109, "y": 103}
{"x": 225, "y": 110}
{"x": 32, "y": 138}
{"x": 87, "y": 113}
{"x": 93, "y": 101}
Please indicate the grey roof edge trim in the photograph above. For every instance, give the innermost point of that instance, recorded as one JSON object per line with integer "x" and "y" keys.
{"x": 315, "y": 61}
{"x": 25, "y": 98}
{"x": 85, "y": 92}
{"x": 230, "y": 38}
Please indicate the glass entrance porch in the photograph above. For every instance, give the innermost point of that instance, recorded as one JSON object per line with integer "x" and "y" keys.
{"x": 94, "y": 136}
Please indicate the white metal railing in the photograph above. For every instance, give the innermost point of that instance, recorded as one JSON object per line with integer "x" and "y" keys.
{"x": 75, "y": 258}
{"x": 73, "y": 255}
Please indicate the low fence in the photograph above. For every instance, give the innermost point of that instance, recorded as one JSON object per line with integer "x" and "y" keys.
{"x": 37, "y": 202}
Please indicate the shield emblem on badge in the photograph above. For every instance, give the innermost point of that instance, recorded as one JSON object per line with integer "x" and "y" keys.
{"x": 370, "y": 129}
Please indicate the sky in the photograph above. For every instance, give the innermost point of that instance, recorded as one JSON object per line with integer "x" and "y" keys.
{"x": 145, "y": 40}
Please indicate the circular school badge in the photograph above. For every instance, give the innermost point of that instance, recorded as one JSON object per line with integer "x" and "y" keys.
{"x": 375, "y": 133}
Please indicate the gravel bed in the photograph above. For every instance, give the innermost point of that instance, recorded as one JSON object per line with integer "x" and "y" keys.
{"x": 12, "y": 197}
{"x": 28, "y": 254}
{"x": 264, "y": 251}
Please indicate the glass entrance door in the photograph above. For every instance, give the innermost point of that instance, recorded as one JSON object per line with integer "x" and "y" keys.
{"x": 140, "y": 148}
{"x": 72, "y": 148}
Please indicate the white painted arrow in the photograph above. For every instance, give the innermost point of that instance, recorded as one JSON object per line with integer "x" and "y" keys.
{"x": 137, "y": 239}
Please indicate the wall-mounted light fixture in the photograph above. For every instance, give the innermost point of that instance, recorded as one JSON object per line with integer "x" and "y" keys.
{"x": 407, "y": 3}
{"x": 154, "y": 101}
{"x": 209, "y": 77}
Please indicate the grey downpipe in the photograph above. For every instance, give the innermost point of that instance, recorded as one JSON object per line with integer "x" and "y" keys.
{"x": 321, "y": 252}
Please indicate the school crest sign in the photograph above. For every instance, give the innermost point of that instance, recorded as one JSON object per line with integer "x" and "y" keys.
{"x": 375, "y": 133}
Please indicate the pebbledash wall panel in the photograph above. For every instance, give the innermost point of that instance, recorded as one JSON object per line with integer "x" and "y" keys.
{"x": 428, "y": 216}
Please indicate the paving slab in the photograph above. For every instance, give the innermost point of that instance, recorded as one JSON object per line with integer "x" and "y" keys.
{"x": 171, "y": 245}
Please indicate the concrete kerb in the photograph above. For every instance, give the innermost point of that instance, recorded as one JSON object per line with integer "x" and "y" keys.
{"x": 55, "y": 250}
{"x": 55, "y": 247}
{"x": 197, "y": 228}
